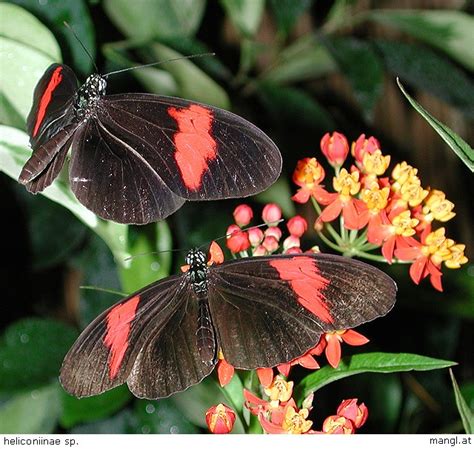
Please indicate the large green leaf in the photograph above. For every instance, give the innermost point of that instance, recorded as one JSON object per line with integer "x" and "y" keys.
{"x": 448, "y": 30}
{"x": 303, "y": 60}
{"x": 192, "y": 82}
{"x": 293, "y": 106}
{"x": 27, "y": 49}
{"x": 15, "y": 151}
{"x": 374, "y": 362}
{"x": 77, "y": 411}
{"x": 467, "y": 415}
{"x": 53, "y": 13}
{"x": 162, "y": 19}
{"x": 36, "y": 411}
{"x": 244, "y": 14}
{"x": 429, "y": 71}
{"x": 458, "y": 145}
{"x": 53, "y": 230}
{"x": 287, "y": 12}
{"x": 31, "y": 351}
{"x": 362, "y": 67}
{"x": 99, "y": 274}
{"x": 147, "y": 266}
{"x": 160, "y": 417}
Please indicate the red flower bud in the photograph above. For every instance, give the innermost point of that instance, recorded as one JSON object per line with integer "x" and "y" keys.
{"x": 297, "y": 226}
{"x": 273, "y": 231}
{"x": 338, "y": 425}
{"x": 270, "y": 243}
{"x": 259, "y": 251}
{"x": 291, "y": 242}
{"x": 220, "y": 419}
{"x": 271, "y": 214}
{"x": 255, "y": 236}
{"x": 362, "y": 146}
{"x": 243, "y": 214}
{"x": 335, "y": 148}
{"x": 237, "y": 240}
{"x": 356, "y": 413}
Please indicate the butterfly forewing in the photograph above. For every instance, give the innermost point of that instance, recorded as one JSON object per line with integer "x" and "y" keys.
{"x": 201, "y": 152}
{"x": 105, "y": 353}
{"x": 52, "y": 104}
{"x": 270, "y": 310}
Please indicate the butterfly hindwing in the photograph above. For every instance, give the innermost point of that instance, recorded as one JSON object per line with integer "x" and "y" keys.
{"x": 110, "y": 178}
{"x": 107, "y": 350}
{"x": 170, "y": 361}
{"x": 270, "y": 310}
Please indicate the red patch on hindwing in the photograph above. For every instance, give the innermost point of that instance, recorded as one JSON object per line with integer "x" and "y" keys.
{"x": 118, "y": 330}
{"x": 54, "y": 81}
{"x": 195, "y": 146}
{"x": 306, "y": 281}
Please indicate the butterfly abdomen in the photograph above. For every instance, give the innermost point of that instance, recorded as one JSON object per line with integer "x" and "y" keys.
{"x": 205, "y": 334}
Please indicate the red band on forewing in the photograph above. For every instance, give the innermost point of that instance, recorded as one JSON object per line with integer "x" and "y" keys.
{"x": 54, "y": 81}
{"x": 118, "y": 330}
{"x": 306, "y": 281}
{"x": 195, "y": 146}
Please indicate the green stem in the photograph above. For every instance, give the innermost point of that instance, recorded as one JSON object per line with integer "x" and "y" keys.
{"x": 328, "y": 226}
{"x": 353, "y": 236}
{"x": 328, "y": 242}
{"x": 342, "y": 229}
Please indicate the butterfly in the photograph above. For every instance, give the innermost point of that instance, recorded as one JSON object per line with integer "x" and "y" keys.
{"x": 259, "y": 311}
{"x": 136, "y": 158}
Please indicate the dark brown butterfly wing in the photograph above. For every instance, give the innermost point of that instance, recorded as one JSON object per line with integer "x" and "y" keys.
{"x": 270, "y": 310}
{"x": 138, "y": 341}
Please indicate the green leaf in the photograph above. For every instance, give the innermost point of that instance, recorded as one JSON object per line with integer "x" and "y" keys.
{"x": 120, "y": 423}
{"x": 192, "y": 82}
{"x": 287, "y": 12}
{"x": 458, "y": 145}
{"x": 77, "y": 411}
{"x": 27, "y": 49}
{"x": 303, "y": 60}
{"x": 279, "y": 193}
{"x": 53, "y": 13}
{"x": 161, "y": 19}
{"x": 31, "y": 351}
{"x": 374, "y": 362}
{"x": 15, "y": 151}
{"x": 363, "y": 69}
{"x": 54, "y": 232}
{"x": 98, "y": 270}
{"x": 467, "y": 415}
{"x": 244, "y": 14}
{"x": 429, "y": 71}
{"x": 449, "y": 31}
{"x": 160, "y": 417}
{"x": 35, "y": 411}
{"x": 290, "y": 105}
{"x": 147, "y": 266}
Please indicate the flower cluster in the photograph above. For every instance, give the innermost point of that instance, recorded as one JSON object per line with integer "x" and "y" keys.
{"x": 391, "y": 211}
{"x": 257, "y": 242}
{"x": 277, "y": 411}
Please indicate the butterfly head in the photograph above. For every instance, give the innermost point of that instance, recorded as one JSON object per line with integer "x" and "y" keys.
{"x": 88, "y": 95}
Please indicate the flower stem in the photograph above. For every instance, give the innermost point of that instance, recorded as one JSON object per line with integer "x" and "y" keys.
{"x": 328, "y": 242}
{"x": 329, "y": 227}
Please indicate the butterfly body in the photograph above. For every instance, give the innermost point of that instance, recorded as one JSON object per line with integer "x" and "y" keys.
{"x": 136, "y": 158}
{"x": 259, "y": 311}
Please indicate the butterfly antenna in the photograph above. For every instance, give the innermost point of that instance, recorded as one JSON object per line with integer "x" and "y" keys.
{"x": 153, "y": 252}
{"x": 71, "y": 29}
{"x": 105, "y": 290}
{"x": 243, "y": 229}
{"x": 200, "y": 55}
